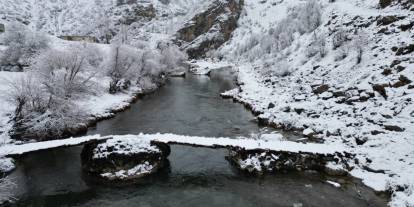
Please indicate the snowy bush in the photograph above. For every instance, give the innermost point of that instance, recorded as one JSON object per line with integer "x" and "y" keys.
{"x": 339, "y": 38}
{"x": 172, "y": 56}
{"x": 22, "y": 45}
{"x": 360, "y": 41}
{"x": 64, "y": 73}
{"x": 45, "y": 97}
{"x": 128, "y": 65}
{"x": 308, "y": 17}
{"x": 280, "y": 68}
{"x": 92, "y": 54}
{"x": 123, "y": 66}
{"x": 342, "y": 52}
{"x": 27, "y": 95}
{"x": 317, "y": 45}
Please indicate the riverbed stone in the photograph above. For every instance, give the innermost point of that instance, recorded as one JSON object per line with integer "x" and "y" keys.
{"x": 258, "y": 162}
{"x": 124, "y": 158}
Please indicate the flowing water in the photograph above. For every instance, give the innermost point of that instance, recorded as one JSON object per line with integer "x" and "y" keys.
{"x": 196, "y": 176}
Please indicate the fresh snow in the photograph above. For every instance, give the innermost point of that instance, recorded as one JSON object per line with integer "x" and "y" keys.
{"x": 386, "y": 159}
{"x": 335, "y": 184}
{"x": 6, "y": 164}
{"x": 143, "y": 140}
{"x": 204, "y": 67}
{"x": 138, "y": 170}
{"x": 123, "y": 145}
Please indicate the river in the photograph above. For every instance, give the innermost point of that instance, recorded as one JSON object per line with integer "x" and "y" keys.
{"x": 196, "y": 176}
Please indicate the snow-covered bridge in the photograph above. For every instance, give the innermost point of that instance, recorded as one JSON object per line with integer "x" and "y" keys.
{"x": 272, "y": 143}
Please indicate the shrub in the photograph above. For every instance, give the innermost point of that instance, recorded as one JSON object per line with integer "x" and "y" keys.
{"x": 28, "y": 96}
{"x": 64, "y": 74}
{"x": 339, "y": 38}
{"x": 317, "y": 45}
{"x": 23, "y": 45}
{"x": 360, "y": 41}
{"x": 123, "y": 65}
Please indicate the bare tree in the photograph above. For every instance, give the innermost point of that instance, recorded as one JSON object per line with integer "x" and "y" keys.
{"x": 26, "y": 93}
{"x": 360, "y": 41}
{"x": 339, "y": 37}
{"x": 23, "y": 45}
{"x": 123, "y": 65}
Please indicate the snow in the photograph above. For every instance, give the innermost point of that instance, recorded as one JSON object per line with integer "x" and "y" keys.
{"x": 123, "y": 145}
{"x": 204, "y": 67}
{"x": 14, "y": 149}
{"x": 143, "y": 140}
{"x": 138, "y": 170}
{"x": 248, "y": 144}
{"x": 335, "y": 184}
{"x": 6, "y": 108}
{"x": 308, "y": 132}
{"x": 6, "y": 165}
{"x": 86, "y": 17}
{"x": 388, "y": 153}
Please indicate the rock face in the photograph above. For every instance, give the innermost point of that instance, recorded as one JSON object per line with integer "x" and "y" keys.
{"x": 210, "y": 29}
{"x": 124, "y": 159}
{"x": 261, "y": 161}
{"x": 88, "y": 39}
{"x": 2, "y": 28}
{"x": 384, "y": 3}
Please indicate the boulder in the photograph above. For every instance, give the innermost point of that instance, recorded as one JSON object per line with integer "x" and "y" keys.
{"x": 402, "y": 81}
{"x": 380, "y": 88}
{"x": 258, "y": 162}
{"x": 393, "y": 128}
{"x": 320, "y": 89}
{"x": 385, "y": 3}
{"x": 124, "y": 158}
{"x": 386, "y": 20}
{"x": 405, "y": 50}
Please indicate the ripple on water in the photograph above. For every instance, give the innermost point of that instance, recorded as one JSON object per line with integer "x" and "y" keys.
{"x": 196, "y": 177}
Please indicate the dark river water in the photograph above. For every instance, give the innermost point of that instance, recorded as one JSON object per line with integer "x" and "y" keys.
{"x": 196, "y": 176}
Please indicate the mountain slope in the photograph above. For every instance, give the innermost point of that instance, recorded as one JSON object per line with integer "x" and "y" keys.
{"x": 348, "y": 79}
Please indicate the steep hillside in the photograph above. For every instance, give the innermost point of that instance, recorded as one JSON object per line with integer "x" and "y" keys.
{"x": 340, "y": 71}
{"x": 102, "y": 19}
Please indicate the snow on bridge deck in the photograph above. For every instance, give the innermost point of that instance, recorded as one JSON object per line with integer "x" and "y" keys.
{"x": 210, "y": 142}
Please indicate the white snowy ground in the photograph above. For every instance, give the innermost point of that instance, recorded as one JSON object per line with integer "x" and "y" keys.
{"x": 386, "y": 159}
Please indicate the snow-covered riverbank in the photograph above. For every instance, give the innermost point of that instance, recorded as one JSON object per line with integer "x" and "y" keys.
{"x": 356, "y": 92}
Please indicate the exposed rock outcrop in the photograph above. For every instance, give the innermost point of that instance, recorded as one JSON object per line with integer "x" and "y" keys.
{"x": 210, "y": 29}
{"x": 264, "y": 161}
{"x": 124, "y": 158}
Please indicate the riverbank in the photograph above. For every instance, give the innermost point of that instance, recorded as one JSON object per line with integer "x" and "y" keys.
{"x": 316, "y": 120}
{"x": 345, "y": 77}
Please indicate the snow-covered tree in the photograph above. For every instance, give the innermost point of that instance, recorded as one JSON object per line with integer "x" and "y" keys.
{"x": 64, "y": 73}
{"x": 172, "y": 56}
{"x": 317, "y": 45}
{"x": 123, "y": 65}
{"x": 22, "y": 45}
{"x": 360, "y": 41}
{"x": 339, "y": 37}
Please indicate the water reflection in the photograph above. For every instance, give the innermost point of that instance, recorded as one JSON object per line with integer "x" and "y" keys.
{"x": 196, "y": 176}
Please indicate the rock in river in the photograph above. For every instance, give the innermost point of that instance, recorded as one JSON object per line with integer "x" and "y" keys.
{"x": 124, "y": 158}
